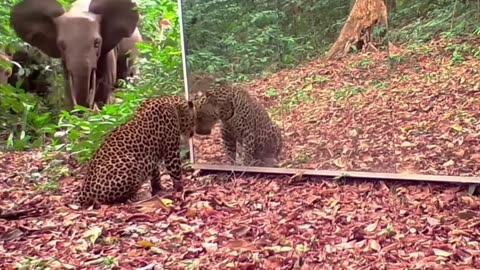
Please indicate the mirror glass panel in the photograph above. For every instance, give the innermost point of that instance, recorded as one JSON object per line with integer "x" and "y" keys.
{"x": 341, "y": 96}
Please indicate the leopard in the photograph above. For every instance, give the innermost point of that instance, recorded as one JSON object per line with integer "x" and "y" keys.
{"x": 132, "y": 152}
{"x": 247, "y": 130}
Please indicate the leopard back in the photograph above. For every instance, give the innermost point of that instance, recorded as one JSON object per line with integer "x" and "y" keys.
{"x": 132, "y": 151}
{"x": 184, "y": 109}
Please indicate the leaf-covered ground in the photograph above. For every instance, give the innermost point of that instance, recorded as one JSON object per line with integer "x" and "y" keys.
{"x": 237, "y": 222}
{"x": 343, "y": 114}
{"x": 421, "y": 115}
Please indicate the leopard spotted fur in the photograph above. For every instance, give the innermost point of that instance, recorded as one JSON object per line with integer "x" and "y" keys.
{"x": 132, "y": 152}
{"x": 246, "y": 127}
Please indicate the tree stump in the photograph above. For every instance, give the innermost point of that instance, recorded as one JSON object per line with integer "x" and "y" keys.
{"x": 357, "y": 31}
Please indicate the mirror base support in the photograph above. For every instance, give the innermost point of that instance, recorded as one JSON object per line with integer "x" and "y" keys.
{"x": 340, "y": 174}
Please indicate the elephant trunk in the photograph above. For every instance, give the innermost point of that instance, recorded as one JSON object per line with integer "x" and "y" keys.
{"x": 82, "y": 82}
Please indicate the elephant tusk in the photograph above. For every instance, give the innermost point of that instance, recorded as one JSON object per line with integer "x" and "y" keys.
{"x": 70, "y": 81}
{"x": 95, "y": 108}
{"x": 91, "y": 90}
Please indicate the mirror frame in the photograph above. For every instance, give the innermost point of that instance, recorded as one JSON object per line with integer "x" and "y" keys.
{"x": 292, "y": 171}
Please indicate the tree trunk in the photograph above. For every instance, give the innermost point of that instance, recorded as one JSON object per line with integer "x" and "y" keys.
{"x": 357, "y": 30}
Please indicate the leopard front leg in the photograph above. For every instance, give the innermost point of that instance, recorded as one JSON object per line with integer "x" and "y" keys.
{"x": 278, "y": 136}
{"x": 229, "y": 143}
{"x": 248, "y": 151}
{"x": 173, "y": 165}
{"x": 155, "y": 181}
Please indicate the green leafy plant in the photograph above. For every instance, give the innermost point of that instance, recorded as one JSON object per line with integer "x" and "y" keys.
{"x": 34, "y": 263}
{"x": 25, "y": 121}
{"x": 109, "y": 262}
{"x": 239, "y": 41}
{"x": 347, "y": 91}
{"x": 271, "y": 92}
{"x": 30, "y": 121}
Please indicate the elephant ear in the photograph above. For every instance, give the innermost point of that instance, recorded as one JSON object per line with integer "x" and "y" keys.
{"x": 118, "y": 20}
{"x": 33, "y": 21}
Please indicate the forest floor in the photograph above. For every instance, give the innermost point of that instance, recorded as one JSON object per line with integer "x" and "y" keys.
{"x": 241, "y": 221}
{"x": 237, "y": 222}
{"x": 418, "y": 113}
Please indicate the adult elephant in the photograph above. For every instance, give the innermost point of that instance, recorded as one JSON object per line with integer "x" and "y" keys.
{"x": 85, "y": 38}
{"x": 127, "y": 53}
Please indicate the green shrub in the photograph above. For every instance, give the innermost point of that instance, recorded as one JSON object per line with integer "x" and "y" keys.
{"x": 28, "y": 121}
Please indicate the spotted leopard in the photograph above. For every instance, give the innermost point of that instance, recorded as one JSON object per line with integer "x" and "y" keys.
{"x": 132, "y": 152}
{"x": 246, "y": 127}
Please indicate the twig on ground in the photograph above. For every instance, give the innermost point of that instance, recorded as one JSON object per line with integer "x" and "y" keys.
{"x": 19, "y": 214}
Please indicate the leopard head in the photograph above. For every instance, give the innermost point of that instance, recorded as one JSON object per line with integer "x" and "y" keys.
{"x": 186, "y": 111}
{"x": 212, "y": 99}
{"x": 205, "y": 104}
{"x": 202, "y": 81}
{"x": 206, "y": 113}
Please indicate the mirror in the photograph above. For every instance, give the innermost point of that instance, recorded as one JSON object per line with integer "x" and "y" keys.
{"x": 343, "y": 94}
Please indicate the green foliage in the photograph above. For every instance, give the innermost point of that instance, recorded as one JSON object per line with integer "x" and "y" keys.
{"x": 82, "y": 135}
{"x": 161, "y": 73}
{"x": 29, "y": 121}
{"x": 109, "y": 262}
{"x": 271, "y": 92}
{"x": 28, "y": 263}
{"x": 420, "y": 21}
{"x": 6, "y": 31}
{"x": 24, "y": 120}
{"x": 161, "y": 58}
{"x": 47, "y": 187}
{"x": 365, "y": 63}
{"x": 241, "y": 39}
{"x": 295, "y": 96}
{"x": 457, "y": 57}
{"x": 347, "y": 91}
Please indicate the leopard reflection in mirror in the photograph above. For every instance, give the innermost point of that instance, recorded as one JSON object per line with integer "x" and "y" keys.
{"x": 246, "y": 127}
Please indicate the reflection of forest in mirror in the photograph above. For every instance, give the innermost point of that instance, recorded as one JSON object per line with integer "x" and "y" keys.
{"x": 415, "y": 112}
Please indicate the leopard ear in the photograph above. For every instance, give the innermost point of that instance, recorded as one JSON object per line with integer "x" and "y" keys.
{"x": 201, "y": 81}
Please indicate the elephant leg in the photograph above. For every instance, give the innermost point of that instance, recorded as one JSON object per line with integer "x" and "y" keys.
{"x": 106, "y": 77}
{"x": 122, "y": 69}
{"x": 127, "y": 53}
{"x": 70, "y": 97}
